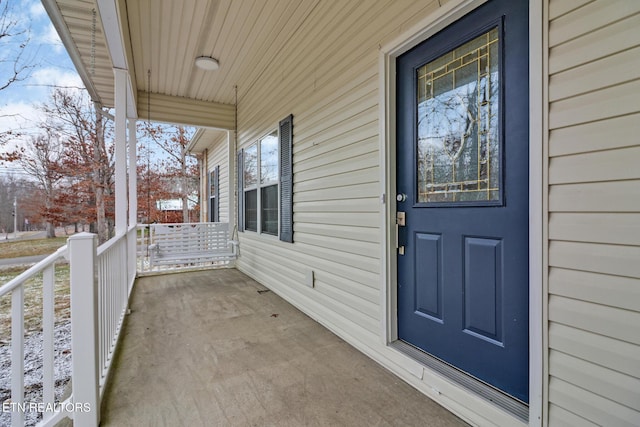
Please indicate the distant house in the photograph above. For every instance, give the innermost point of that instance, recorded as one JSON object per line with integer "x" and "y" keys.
{"x": 171, "y": 209}
{"x": 452, "y": 187}
{"x": 176, "y": 204}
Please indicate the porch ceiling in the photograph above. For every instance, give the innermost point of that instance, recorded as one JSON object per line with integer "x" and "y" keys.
{"x": 161, "y": 39}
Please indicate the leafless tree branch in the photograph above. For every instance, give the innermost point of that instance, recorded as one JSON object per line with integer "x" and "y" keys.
{"x": 14, "y": 38}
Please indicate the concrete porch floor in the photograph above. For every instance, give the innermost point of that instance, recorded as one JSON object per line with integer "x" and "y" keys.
{"x": 215, "y": 348}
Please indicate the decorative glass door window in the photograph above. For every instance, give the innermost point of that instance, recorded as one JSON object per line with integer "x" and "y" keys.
{"x": 458, "y": 130}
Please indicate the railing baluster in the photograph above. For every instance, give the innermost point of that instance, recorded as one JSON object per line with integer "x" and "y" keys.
{"x": 109, "y": 319}
{"x": 113, "y": 286}
{"x": 17, "y": 356}
{"x": 131, "y": 257}
{"x": 101, "y": 325}
{"x": 48, "y": 350}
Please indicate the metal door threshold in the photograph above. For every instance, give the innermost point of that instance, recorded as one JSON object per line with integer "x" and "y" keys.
{"x": 508, "y": 403}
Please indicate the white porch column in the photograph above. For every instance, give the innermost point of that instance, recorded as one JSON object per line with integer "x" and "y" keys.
{"x": 133, "y": 174}
{"x": 121, "y": 149}
{"x": 84, "y": 328}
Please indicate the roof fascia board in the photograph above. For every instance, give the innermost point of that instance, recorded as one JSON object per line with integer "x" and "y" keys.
{"x": 115, "y": 26}
{"x": 191, "y": 146}
{"x": 55, "y": 15}
{"x": 126, "y": 37}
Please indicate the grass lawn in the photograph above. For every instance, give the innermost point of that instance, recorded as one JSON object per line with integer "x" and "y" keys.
{"x": 33, "y": 300}
{"x": 20, "y": 248}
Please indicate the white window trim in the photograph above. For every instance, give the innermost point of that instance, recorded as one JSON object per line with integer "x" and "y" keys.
{"x": 258, "y": 186}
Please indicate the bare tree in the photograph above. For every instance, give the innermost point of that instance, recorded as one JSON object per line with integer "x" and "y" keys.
{"x": 41, "y": 158}
{"x": 177, "y": 164}
{"x": 7, "y": 197}
{"x": 71, "y": 161}
{"x": 87, "y": 156}
{"x": 14, "y": 38}
{"x": 28, "y": 200}
{"x": 15, "y": 64}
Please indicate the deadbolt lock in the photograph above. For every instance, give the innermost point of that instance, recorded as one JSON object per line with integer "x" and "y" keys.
{"x": 400, "y": 219}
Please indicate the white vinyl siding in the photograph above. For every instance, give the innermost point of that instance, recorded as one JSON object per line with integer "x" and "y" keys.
{"x": 218, "y": 154}
{"x": 594, "y": 213}
{"x": 326, "y": 74}
{"x": 593, "y": 195}
{"x": 332, "y": 91}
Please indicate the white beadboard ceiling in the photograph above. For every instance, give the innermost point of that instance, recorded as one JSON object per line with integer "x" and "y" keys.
{"x": 163, "y": 37}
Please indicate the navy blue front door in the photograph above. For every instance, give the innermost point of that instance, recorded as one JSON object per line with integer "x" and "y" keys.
{"x": 462, "y": 182}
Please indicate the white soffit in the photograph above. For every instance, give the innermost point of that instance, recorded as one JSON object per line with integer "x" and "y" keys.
{"x": 205, "y": 138}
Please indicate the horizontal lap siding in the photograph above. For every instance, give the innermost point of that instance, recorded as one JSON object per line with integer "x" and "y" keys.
{"x": 594, "y": 218}
{"x": 218, "y": 156}
{"x": 326, "y": 75}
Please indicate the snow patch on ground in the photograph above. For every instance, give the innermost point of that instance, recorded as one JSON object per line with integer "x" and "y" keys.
{"x": 33, "y": 370}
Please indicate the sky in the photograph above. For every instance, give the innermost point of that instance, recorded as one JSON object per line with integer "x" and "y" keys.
{"x": 52, "y": 67}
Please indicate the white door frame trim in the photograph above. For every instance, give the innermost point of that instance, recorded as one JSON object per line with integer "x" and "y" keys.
{"x": 427, "y": 27}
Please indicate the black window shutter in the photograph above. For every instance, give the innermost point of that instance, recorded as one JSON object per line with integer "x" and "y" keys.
{"x": 286, "y": 179}
{"x": 216, "y": 194}
{"x": 240, "y": 169}
{"x": 208, "y": 196}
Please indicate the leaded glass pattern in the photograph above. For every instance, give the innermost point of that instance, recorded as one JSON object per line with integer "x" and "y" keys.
{"x": 458, "y": 124}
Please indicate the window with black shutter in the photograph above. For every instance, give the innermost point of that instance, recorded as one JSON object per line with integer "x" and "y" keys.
{"x": 240, "y": 169}
{"x": 214, "y": 194}
{"x": 265, "y": 184}
{"x": 286, "y": 179}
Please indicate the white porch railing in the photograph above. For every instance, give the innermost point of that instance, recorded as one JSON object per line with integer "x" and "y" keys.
{"x": 114, "y": 287}
{"x": 101, "y": 281}
{"x": 184, "y": 246}
{"x": 16, "y": 288}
